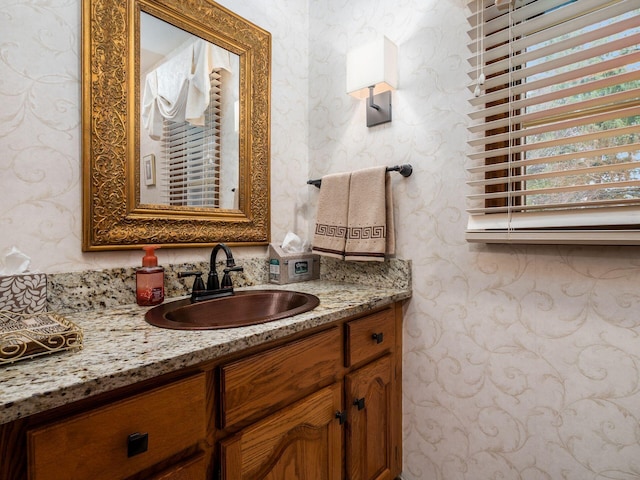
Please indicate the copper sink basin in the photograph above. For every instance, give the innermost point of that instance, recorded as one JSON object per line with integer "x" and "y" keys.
{"x": 244, "y": 308}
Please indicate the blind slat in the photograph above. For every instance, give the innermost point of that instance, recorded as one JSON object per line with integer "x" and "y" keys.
{"x": 500, "y": 62}
{"x": 551, "y": 159}
{"x": 560, "y": 206}
{"x": 579, "y": 89}
{"x": 558, "y": 22}
{"x": 552, "y": 190}
{"x": 501, "y": 82}
{"x": 558, "y": 219}
{"x": 558, "y": 126}
{"x": 560, "y": 173}
{"x": 490, "y": 12}
{"x": 522, "y": 72}
{"x": 618, "y": 112}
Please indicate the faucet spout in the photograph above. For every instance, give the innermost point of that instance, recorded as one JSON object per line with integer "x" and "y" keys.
{"x": 213, "y": 281}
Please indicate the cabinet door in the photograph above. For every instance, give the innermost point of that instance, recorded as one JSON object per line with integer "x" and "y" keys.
{"x": 369, "y": 397}
{"x": 300, "y": 442}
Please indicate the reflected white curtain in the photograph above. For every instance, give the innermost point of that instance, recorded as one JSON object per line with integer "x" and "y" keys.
{"x": 178, "y": 90}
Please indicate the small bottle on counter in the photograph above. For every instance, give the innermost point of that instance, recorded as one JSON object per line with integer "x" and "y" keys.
{"x": 149, "y": 279}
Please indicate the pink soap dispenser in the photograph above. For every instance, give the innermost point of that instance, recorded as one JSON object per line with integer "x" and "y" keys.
{"x": 149, "y": 279}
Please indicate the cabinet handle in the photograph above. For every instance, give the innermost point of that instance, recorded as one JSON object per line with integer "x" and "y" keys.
{"x": 359, "y": 402}
{"x": 341, "y": 416}
{"x": 378, "y": 337}
{"x": 137, "y": 443}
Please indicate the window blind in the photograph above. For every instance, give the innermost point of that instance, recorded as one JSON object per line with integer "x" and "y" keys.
{"x": 191, "y": 156}
{"x": 555, "y": 121}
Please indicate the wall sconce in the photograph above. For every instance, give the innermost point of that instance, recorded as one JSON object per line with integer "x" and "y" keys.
{"x": 372, "y": 72}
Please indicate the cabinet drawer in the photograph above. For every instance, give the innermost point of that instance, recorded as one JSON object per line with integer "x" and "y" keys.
{"x": 278, "y": 377}
{"x": 96, "y": 444}
{"x": 193, "y": 469}
{"x": 369, "y": 336}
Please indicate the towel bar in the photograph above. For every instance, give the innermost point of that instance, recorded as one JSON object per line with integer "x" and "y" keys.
{"x": 404, "y": 170}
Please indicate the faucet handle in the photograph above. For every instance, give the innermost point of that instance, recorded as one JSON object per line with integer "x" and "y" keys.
{"x": 198, "y": 284}
{"x": 226, "y": 278}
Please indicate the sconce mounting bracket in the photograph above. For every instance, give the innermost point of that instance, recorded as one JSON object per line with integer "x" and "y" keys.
{"x": 382, "y": 114}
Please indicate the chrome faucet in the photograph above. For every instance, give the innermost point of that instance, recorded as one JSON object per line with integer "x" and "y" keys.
{"x": 214, "y": 287}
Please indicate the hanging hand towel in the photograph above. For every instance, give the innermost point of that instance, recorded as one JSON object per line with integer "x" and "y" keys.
{"x": 370, "y": 229}
{"x": 331, "y": 220}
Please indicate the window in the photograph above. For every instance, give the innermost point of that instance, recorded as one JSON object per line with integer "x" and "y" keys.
{"x": 191, "y": 155}
{"x": 555, "y": 147}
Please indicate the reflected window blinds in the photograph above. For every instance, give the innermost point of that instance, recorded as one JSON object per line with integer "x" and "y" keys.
{"x": 191, "y": 154}
{"x": 555, "y": 121}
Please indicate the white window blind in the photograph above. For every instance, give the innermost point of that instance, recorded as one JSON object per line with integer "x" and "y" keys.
{"x": 555, "y": 121}
{"x": 191, "y": 156}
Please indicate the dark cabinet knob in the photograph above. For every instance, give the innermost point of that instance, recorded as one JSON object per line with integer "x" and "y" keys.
{"x": 137, "y": 443}
{"x": 359, "y": 402}
{"x": 378, "y": 337}
{"x": 341, "y": 416}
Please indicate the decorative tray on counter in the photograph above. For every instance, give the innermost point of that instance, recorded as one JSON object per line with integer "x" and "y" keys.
{"x": 27, "y": 335}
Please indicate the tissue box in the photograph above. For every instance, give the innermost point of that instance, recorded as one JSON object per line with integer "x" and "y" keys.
{"x": 23, "y": 293}
{"x": 287, "y": 268}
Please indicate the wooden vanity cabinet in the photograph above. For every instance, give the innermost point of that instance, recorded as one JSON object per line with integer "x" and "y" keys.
{"x": 321, "y": 404}
{"x": 330, "y": 406}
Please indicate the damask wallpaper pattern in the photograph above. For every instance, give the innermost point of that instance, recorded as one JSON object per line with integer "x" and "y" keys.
{"x": 521, "y": 362}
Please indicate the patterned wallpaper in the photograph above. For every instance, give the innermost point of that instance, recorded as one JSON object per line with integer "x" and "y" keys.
{"x": 520, "y": 362}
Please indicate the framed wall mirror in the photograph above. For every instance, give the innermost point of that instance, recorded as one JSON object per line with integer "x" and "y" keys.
{"x": 175, "y": 125}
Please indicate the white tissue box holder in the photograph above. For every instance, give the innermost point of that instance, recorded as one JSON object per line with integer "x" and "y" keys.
{"x": 285, "y": 268}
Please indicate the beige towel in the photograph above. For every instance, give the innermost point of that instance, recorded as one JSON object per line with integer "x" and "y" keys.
{"x": 331, "y": 220}
{"x": 370, "y": 226}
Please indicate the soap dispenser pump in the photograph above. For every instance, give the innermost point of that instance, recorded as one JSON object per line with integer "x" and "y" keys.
{"x": 149, "y": 279}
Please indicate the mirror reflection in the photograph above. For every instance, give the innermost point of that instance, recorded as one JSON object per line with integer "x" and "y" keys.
{"x": 135, "y": 195}
{"x": 189, "y": 109}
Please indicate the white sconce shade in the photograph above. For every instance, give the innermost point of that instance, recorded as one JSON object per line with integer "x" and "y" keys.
{"x": 372, "y": 70}
{"x": 373, "y": 64}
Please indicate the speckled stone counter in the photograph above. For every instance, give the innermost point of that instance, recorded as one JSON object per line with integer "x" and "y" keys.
{"x": 120, "y": 348}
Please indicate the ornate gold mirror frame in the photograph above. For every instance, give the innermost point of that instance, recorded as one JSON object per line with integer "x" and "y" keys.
{"x": 112, "y": 217}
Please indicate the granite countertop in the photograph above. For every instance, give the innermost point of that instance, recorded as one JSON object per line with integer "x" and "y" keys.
{"x": 120, "y": 348}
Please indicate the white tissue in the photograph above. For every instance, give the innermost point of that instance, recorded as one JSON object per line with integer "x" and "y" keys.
{"x": 292, "y": 243}
{"x": 15, "y": 262}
